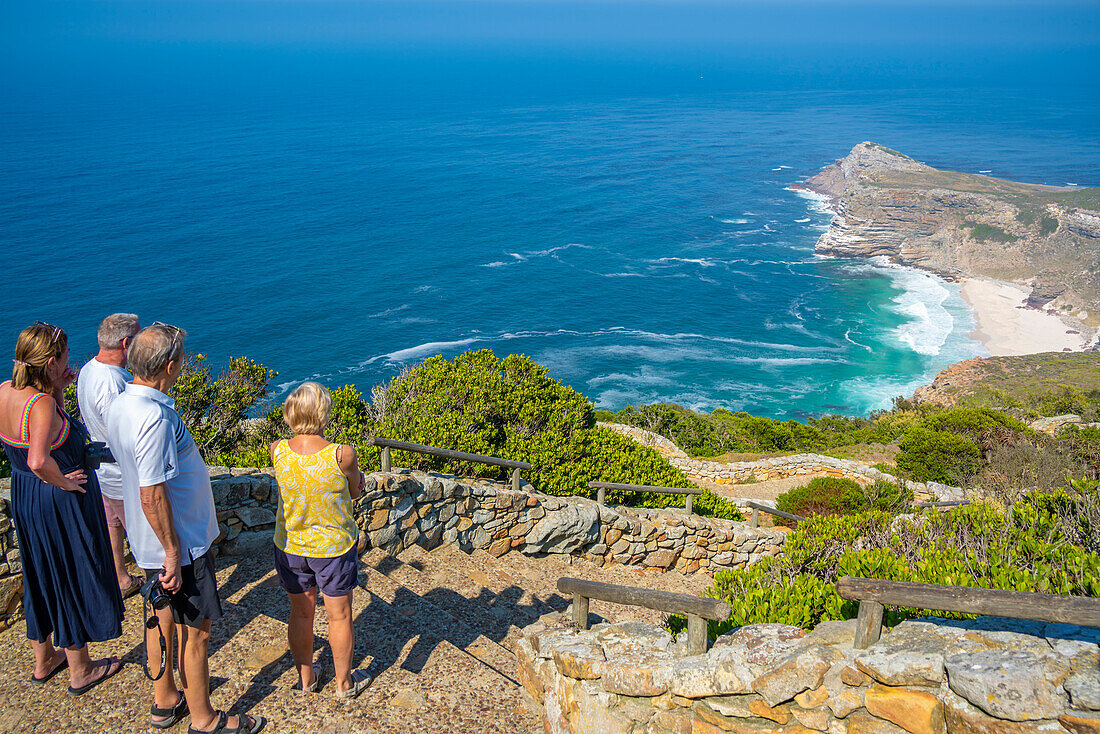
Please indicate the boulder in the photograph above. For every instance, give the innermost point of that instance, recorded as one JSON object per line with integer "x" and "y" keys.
{"x": 568, "y": 529}
{"x": 1007, "y": 684}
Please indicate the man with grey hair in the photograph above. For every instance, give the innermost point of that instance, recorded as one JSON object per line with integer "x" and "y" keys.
{"x": 172, "y": 525}
{"x": 101, "y": 380}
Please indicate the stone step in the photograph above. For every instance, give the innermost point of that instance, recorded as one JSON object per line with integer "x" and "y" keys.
{"x": 388, "y": 577}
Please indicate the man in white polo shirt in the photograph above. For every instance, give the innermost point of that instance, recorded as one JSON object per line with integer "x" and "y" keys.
{"x": 101, "y": 380}
{"x": 172, "y": 525}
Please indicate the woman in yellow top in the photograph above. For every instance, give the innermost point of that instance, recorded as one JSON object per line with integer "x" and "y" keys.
{"x": 316, "y": 536}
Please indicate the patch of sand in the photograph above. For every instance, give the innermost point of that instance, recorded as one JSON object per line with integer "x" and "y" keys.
{"x": 1007, "y": 327}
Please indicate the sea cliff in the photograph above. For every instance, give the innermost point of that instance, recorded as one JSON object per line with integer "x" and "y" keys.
{"x": 961, "y": 226}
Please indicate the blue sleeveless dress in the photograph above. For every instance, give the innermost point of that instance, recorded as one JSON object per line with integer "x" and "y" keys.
{"x": 69, "y": 584}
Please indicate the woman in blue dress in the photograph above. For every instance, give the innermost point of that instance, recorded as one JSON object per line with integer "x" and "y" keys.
{"x": 69, "y": 589}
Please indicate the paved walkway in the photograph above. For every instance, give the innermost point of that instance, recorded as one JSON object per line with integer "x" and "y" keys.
{"x": 436, "y": 627}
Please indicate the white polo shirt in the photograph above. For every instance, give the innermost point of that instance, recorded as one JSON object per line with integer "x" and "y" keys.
{"x": 96, "y": 388}
{"x": 152, "y": 445}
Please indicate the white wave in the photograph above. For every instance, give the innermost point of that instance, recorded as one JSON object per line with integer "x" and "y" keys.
{"x": 424, "y": 288}
{"x": 785, "y": 361}
{"x": 802, "y": 221}
{"x": 778, "y": 169}
{"x": 734, "y": 221}
{"x": 700, "y": 261}
{"x": 989, "y": 171}
{"x": 818, "y": 202}
{"x": 390, "y": 311}
{"x": 495, "y": 264}
{"x": 517, "y": 256}
{"x": 420, "y": 350}
{"x": 921, "y": 301}
{"x": 1071, "y": 184}
{"x": 848, "y": 337}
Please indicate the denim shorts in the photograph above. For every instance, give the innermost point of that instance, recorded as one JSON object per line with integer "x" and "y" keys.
{"x": 333, "y": 576}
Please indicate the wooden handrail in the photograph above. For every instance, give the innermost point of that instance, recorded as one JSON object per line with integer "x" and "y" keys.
{"x": 874, "y": 594}
{"x": 757, "y": 508}
{"x": 602, "y": 487}
{"x": 947, "y": 503}
{"x": 388, "y": 443}
{"x": 698, "y": 609}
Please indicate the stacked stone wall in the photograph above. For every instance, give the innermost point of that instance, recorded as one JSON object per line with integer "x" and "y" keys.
{"x": 780, "y": 467}
{"x": 401, "y": 509}
{"x": 930, "y": 676}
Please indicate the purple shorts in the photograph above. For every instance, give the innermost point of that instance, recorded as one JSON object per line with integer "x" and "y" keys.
{"x": 333, "y": 576}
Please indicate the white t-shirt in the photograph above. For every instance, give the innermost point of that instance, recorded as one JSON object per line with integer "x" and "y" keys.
{"x": 96, "y": 388}
{"x": 152, "y": 445}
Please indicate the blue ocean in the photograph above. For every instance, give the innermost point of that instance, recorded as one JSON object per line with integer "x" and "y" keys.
{"x": 341, "y": 190}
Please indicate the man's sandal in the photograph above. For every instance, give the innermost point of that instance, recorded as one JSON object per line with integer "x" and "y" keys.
{"x": 360, "y": 679}
{"x": 312, "y": 687}
{"x": 245, "y": 725}
{"x": 173, "y": 715}
{"x": 135, "y": 584}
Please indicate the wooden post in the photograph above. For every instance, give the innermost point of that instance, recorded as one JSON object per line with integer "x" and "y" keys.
{"x": 755, "y": 517}
{"x": 580, "y": 611}
{"x": 687, "y": 503}
{"x": 868, "y": 624}
{"x": 601, "y": 494}
{"x": 697, "y": 635}
{"x": 515, "y": 480}
{"x": 385, "y": 458}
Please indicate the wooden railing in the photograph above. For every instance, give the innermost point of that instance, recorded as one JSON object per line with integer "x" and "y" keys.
{"x": 938, "y": 505}
{"x": 757, "y": 508}
{"x": 602, "y": 487}
{"x": 697, "y": 609}
{"x": 874, "y": 594}
{"x": 387, "y": 444}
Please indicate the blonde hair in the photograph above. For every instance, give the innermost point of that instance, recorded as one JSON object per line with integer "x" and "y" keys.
{"x": 308, "y": 408}
{"x": 153, "y": 348}
{"x": 34, "y": 349}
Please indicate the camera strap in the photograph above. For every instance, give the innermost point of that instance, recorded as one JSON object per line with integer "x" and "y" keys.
{"x": 152, "y": 621}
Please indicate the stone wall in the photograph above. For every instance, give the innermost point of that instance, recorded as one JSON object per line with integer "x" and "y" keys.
{"x": 928, "y": 676}
{"x": 403, "y": 508}
{"x": 780, "y": 467}
{"x": 11, "y": 565}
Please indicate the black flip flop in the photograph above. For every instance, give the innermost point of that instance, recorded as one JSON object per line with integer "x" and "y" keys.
{"x": 84, "y": 689}
{"x": 174, "y": 714}
{"x": 60, "y": 666}
{"x": 245, "y": 725}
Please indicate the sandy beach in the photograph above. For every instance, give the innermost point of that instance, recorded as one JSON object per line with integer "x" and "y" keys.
{"x": 1007, "y": 327}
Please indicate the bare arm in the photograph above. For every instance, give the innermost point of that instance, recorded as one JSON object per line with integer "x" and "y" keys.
{"x": 39, "y": 460}
{"x": 158, "y": 511}
{"x": 349, "y": 464}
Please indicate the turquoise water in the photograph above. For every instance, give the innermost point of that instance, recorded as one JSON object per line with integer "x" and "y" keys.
{"x": 338, "y": 213}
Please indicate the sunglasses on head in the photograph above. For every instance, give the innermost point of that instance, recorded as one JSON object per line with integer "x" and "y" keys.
{"x": 57, "y": 330}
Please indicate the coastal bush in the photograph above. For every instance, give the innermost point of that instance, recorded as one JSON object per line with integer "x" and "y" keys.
{"x": 1048, "y": 225}
{"x": 1043, "y": 543}
{"x": 215, "y": 409}
{"x": 988, "y": 233}
{"x": 937, "y": 456}
{"x": 836, "y": 496}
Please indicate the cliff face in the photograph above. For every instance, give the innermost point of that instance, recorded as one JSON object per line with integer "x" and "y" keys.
{"x": 959, "y": 224}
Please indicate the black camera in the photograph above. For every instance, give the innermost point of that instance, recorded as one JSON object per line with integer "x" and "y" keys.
{"x": 97, "y": 453}
{"x": 154, "y": 593}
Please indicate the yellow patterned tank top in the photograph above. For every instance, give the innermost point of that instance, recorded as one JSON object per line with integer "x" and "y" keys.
{"x": 314, "y": 518}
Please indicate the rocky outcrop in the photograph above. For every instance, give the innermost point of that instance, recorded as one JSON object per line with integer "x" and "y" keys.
{"x": 926, "y": 676}
{"x": 956, "y": 224}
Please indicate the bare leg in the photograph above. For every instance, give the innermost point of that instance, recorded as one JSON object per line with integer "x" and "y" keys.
{"x": 341, "y": 638}
{"x": 165, "y": 692}
{"x": 118, "y": 534}
{"x": 195, "y": 677}
{"x": 303, "y": 607}
{"x": 46, "y": 658}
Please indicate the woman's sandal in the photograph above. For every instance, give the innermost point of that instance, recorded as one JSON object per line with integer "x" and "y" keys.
{"x": 245, "y": 725}
{"x": 360, "y": 679}
{"x": 60, "y": 666}
{"x": 107, "y": 674}
{"x": 174, "y": 715}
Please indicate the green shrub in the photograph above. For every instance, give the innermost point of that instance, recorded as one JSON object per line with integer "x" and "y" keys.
{"x": 214, "y": 410}
{"x": 937, "y": 456}
{"x": 822, "y": 496}
{"x": 1047, "y": 225}
{"x": 1026, "y": 548}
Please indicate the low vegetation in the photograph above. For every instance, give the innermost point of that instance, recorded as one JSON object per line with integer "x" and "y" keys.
{"x": 834, "y": 496}
{"x": 1045, "y": 542}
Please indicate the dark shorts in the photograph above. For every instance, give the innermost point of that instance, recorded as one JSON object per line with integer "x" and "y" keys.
{"x": 333, "y": 576}
{"x": 197, "y": 599}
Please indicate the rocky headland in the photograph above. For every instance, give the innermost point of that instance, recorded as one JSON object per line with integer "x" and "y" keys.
{"x": 963, "y": 226}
